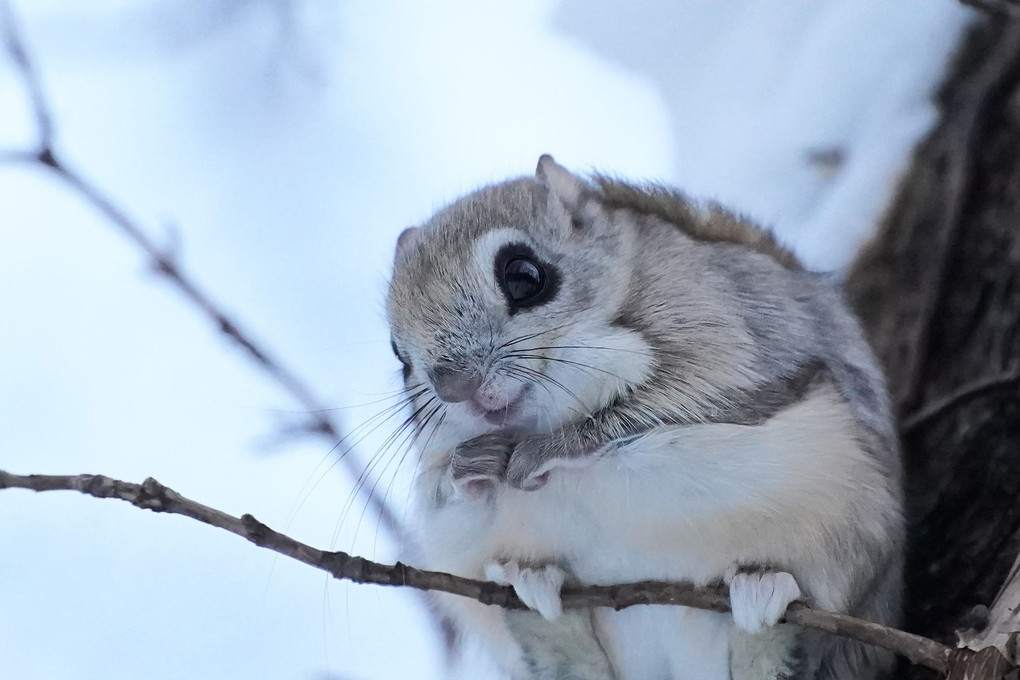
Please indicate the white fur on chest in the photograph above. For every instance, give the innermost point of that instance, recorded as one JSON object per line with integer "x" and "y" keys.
{"x": 679, "y": 503}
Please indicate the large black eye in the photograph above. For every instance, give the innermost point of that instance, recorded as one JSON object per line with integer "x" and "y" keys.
{"x": 523, "y": 278}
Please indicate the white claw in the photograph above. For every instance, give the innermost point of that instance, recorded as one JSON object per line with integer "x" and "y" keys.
{"x": 498, "y": 572}
{"x": 758, "y": 600}
{"x": 538, "y": 588}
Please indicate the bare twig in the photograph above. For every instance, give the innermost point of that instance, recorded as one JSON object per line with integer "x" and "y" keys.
{"x": 965, "y": 393}
{"x": 151, "y": 495}
{"x": 164, "y": 263}
{"x": 17, "y": 156}
{"x": 26, "y": 70}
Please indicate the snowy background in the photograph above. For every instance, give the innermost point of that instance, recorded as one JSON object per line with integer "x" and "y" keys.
{"x": 283, "y": 144}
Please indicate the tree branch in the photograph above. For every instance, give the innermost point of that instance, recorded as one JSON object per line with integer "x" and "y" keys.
{"x": 164, "y": 263}
{"x": 151, "y": 495}
{"x": 26, "y": 70}
{"x": 929, "y": 412}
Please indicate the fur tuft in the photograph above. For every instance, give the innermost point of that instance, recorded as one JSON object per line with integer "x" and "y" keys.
{"x": 715, "y": 223}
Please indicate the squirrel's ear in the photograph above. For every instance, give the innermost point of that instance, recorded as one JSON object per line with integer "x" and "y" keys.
{"x": 405, "y": 241}
{"x": 571, "y": 199}
{"x": 561, "y": 183}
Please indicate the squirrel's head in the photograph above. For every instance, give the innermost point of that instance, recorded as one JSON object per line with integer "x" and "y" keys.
{"x": 502, "y": 306}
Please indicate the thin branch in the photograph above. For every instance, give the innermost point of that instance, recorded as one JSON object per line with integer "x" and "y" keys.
{"x": 151, "y": 495}
{"x": 965, "y": 393}
{"x": 12, "y": 156}
{"x": 26, "y": 70}
{"x": 164, "y": 263}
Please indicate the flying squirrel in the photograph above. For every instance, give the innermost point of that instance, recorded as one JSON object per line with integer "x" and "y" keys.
{"x": 612, "y": 383}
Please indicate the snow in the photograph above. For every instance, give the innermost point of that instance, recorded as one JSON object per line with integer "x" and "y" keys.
{"x": 758, "y": 88}
{"x": 284, "y": 145}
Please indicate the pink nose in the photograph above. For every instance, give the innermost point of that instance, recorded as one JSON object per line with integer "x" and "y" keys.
{"x": 454, "y": 385}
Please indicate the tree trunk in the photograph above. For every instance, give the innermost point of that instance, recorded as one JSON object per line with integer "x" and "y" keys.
{"x": 938, "y": 290}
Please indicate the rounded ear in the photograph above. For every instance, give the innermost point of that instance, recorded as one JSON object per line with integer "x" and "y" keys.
{"x": 405, "y": 240}
{"x": 561, "y": 183}
{"x": 571, "y": 201}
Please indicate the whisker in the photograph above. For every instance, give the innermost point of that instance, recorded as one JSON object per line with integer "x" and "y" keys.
{"x": 523, "y": 338}
{"x": 536, "y": 378}
{"x": 538, "y": 375}
{"x": 405, "y": 444}
{"x": 386, "y": 396}
{"x": 305, "y": 492}
{"x": 540, "y": 357}
{"x": 516, "y": 372}
{"x": 417, "y": 463}
{"x": 441, "y": 409}
{"x": 374, "y": 462}
{"x": 520, "y": 338}
{"x": 641, "y": 352}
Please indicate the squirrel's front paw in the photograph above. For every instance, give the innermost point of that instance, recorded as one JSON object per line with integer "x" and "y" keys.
{"x": 759, "y": 599}
{"x": 531, "y": 462}
{"x": 539, "y": 587}
{"x": 479, "y": 464}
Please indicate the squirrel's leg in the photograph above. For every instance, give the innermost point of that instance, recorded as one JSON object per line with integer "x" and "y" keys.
{"x": 760, "y": 649}
{"x": 557, "y": 644}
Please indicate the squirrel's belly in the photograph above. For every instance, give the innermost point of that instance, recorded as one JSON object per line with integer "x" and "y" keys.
{"x": 666, "y": 643}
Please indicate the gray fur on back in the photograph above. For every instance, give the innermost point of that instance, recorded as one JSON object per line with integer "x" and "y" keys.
{"x": 818, "y": 336}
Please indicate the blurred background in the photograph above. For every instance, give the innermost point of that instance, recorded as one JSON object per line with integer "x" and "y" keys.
{"x": 277, "y": 148}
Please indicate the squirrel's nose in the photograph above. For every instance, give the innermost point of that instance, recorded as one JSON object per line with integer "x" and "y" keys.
{"x": 453, "y": 384}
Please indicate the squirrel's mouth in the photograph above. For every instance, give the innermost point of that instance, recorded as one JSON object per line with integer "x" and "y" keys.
{"x": 503, "y": 415}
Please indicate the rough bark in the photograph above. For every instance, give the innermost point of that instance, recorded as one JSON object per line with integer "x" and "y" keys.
{"x": 939, "y": 292}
